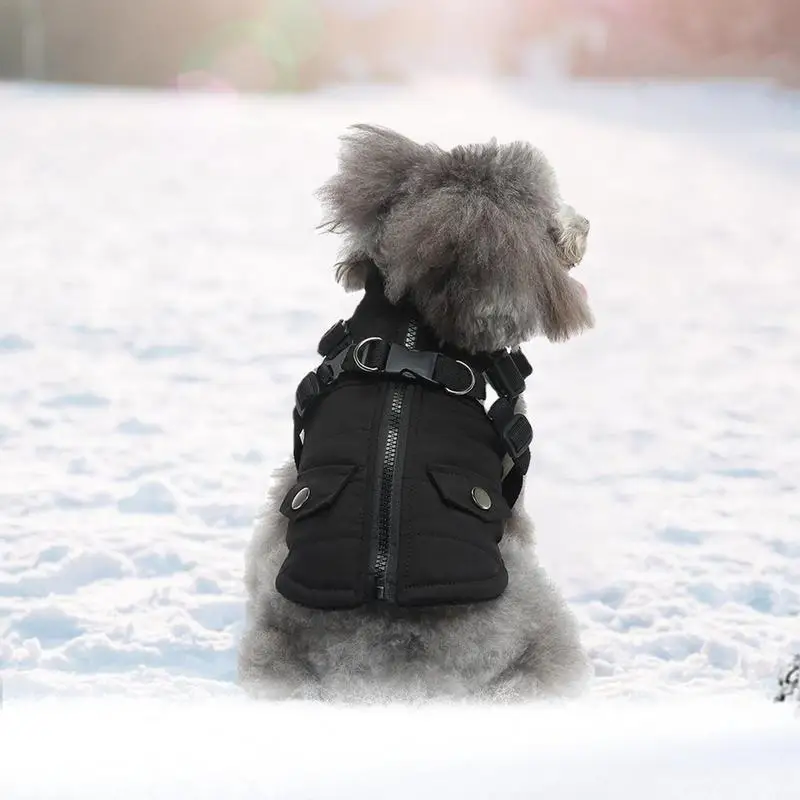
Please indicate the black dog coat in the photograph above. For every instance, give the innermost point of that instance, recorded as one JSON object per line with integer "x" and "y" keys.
{"x": 400, "y": 494}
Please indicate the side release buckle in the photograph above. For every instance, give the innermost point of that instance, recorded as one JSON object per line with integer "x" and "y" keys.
{"x": 411, "y": 363}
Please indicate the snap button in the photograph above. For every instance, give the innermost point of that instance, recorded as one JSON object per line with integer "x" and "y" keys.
{"x": 300, "y": 498}
{"x": 481, "y": 498}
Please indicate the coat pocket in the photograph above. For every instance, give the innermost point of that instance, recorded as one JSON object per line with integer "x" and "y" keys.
{"x": 323, "y": 566}
{"x": 316, "y": 489}
{"x": 453, "y": 556}
{"x": 469, "y": 492}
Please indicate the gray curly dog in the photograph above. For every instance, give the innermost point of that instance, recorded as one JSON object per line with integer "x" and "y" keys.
{"x": 406, "y": 207}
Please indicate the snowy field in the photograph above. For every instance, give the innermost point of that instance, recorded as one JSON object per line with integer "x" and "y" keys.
{"x": 225, "y": 748}
{"x": 163, "y": 290}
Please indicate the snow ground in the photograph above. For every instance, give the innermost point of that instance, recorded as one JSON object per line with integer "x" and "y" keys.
{"x": 89, "y": 749}
{"x": 163, "y": 290}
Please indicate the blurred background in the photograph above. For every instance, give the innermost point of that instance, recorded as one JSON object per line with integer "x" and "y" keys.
{"x": 286, "y": 45}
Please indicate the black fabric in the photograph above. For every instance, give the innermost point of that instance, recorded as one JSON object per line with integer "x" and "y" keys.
{"x": 406, "y": 501}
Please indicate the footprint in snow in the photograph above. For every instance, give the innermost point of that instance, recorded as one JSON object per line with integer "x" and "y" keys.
{"x": 78, "y": 400}
{"x": 135, "y": 427}
{"x": 150, "y": 498}
{"x": 11, "y": 343}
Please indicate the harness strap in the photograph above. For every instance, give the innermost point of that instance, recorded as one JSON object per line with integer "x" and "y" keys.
{"x": 516, "y": 434}
{"x": 297, "y": 439}
{"x": 377, "y": 356}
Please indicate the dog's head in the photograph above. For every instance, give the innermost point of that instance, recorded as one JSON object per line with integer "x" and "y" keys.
{"x": 477, "y": 237}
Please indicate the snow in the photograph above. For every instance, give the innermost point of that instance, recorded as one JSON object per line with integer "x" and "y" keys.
{"x": 229, "y": 748}
{"x": 163, "y": 292}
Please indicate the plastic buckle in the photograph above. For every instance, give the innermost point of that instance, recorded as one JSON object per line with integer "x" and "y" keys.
{"x": 411, "y": 363}
{"x": 517, "y": 436}
{"x": 332, "y": 368}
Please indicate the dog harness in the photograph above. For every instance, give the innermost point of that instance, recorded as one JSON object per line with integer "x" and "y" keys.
{"x": 401, "y": 496}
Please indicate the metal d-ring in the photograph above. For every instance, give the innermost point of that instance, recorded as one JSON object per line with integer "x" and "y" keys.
{"x": 461, "y": 392}
{"x": 359, "y": 363}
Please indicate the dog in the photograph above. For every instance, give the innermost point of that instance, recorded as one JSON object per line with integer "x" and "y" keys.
{"x": 477, "y": 242}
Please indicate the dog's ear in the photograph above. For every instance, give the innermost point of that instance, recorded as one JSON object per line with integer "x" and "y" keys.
{"x": 570, "y": 231}
{"x": 374, "y": 163}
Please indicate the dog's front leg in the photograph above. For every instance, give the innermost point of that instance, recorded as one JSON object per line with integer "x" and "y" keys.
{"x": 272, "y": 663}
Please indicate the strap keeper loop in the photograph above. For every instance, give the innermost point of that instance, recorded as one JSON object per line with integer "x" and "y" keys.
{"x": 334, "y": 339}
{"x": 505, "y": 374}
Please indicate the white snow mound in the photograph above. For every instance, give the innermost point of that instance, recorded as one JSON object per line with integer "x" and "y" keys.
{"x": 739, "y": 749}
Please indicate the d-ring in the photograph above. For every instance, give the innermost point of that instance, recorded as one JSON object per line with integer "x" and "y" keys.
{"x": 460, "y": 392}
{"x": 359, "y": 363}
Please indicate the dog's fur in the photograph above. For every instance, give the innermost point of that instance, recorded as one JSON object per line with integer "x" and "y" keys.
{"x": 479, "y": 239}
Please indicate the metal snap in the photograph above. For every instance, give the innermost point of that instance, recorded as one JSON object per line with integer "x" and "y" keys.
{"x": 300, "y": 498}
{"x": 481, "y": 498}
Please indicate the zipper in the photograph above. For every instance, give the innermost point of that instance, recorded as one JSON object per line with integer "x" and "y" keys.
{"x": 390, "y": 470}
{"x": 411, "y": 335}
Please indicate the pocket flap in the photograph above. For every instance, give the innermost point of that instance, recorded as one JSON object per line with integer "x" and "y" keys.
{"x": 469, "y": 492}
{"x": 316, "y": 489}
